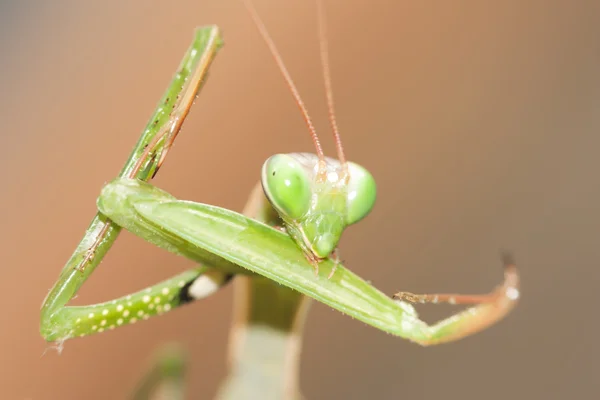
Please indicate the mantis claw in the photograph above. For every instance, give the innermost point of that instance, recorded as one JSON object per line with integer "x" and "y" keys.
{"x": 315, "y": 263}
{"x": 336, "y": 261}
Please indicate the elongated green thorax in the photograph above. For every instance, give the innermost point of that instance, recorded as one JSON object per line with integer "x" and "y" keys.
{"x": 316, "y": 200}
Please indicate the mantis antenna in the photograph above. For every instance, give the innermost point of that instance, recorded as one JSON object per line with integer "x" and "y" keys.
{"x": 327, "y": 79}
{"x": 325, "y": 63}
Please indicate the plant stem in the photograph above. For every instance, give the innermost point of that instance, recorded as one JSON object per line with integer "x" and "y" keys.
{"x": 265, "y": 341}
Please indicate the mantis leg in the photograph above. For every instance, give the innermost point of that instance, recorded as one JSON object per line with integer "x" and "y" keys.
{"x": 469, "y": 299}
{"x": 59, "y": 322}
{"x": 78, "y": 321}
{"x": 489, "y": 308}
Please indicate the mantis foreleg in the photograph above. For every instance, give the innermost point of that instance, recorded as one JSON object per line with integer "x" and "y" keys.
{"x": 58, "y": 322}
{"x": 191, "y": 285}
{"x": 156, "y": 216}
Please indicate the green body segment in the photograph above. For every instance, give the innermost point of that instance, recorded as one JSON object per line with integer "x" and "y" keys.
{"x": 315, "y": 200}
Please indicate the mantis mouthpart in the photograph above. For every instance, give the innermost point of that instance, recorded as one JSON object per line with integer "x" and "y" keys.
{"x": 312, "y": 196}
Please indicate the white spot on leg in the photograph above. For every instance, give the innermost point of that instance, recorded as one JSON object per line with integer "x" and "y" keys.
{"x": 203, "y": 287}
{"x": 140, "y": 313}
{"x": 512, "y": 293}
{"x": 157, "y": 300}
{"x": 104, "y": 312}
{"x": 103, "y": 322}
{"x": 165, "y": 291}
{"x": 167, "y": 307}
{"x": 133, "y": 320}
{"x": 120, "y": 321}
{"x": 126, "y": 313}
{"x": 146, "y": 299}
{"x": 91, "y": 315}
{"x": 120, "y": 307}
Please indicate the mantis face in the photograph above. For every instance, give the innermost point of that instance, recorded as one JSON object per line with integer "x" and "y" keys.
{"x": 317, "y": 200}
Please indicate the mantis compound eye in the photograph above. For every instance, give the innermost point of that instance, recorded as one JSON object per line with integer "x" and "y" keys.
{"x": 362, "y": 192}
{"x": 287, "y": 185}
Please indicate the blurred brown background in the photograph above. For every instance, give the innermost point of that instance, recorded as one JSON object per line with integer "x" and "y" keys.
{"x": 480, "y": 121}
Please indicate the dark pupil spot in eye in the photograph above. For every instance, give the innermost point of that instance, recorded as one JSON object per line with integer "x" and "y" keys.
{"x": 273, "y": 173}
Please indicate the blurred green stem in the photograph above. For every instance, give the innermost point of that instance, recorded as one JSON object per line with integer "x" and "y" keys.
{"x": 265, "y": 341}
{"x": 266, "y": 333}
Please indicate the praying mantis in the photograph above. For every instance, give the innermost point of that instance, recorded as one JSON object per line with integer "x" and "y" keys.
{"x": 281, "y": 251}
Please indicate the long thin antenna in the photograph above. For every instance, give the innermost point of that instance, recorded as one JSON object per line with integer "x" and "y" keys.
{"x": 267, "y": 38}
{"x": 327, "y": 78}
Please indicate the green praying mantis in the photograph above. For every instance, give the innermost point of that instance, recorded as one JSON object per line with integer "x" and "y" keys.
{"x": 281, "y": 250}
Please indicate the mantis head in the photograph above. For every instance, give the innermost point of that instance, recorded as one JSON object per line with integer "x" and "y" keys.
{"x": 315, "y": 196}
{"x": 317, "y": 200}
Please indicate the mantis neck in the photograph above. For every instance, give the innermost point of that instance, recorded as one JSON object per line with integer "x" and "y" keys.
{"x": 266, "y": 334}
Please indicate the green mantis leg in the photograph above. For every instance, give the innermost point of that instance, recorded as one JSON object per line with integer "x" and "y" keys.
{"x": 489, "y": 308}
{"x": 78, "y": 321}
{"x": 59, "y": 322}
